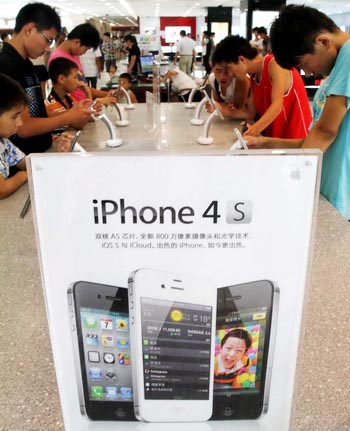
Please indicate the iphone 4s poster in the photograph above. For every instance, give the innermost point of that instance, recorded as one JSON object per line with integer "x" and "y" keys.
{"x": 175, "y": 285}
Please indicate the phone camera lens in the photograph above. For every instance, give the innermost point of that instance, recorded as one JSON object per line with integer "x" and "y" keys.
{"x": 162, "y": 286}
{"x": 99, "y": 296}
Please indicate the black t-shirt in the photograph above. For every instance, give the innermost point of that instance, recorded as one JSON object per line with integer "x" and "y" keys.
{"x": 22, "y": 71}
{"x": 135, "y": 50}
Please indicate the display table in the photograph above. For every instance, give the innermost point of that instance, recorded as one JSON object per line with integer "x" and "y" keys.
{"x": 29, "y": 397}
{"x": 176, "y": 130}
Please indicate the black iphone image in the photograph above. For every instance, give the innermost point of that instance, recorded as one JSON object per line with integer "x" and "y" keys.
{"x": 100, "y": 329}
{"x": 245, "y": 336}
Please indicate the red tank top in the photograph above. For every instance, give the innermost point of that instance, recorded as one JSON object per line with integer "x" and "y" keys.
{"x": 295, "y": 117}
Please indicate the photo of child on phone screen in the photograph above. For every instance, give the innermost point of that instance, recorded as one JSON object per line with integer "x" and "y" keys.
{"x": 236, "y": 357}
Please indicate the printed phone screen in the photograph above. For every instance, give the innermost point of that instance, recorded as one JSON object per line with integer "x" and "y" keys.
{"x": 239, "y": 351}
{"x": 105, "y": 339}
{"x": 176, "y": 342}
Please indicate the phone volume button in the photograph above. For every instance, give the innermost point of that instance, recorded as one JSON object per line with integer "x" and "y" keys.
{"x": 73, "y": 327}
{"x": 131, "y": 305}
{"x": 132, "y": 320}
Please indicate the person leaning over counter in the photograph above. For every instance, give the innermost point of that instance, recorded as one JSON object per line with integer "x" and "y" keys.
{"x": 36, "y": 27}
{"x": 12, "y": 102}
{"x": 79, "y": 40}
{"x": 304, "y": 37}
{"x": 228, "y": 90}
{"x": 277, "y": 99}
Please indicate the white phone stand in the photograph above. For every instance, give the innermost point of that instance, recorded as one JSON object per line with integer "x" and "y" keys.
{"x": 129, "y": 105}
{"x": 189, "y": 104}
{"x": 122, "y": 122}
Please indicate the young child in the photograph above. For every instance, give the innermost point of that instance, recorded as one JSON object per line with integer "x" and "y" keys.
{"x": 125, "y": 81}
{"x": 112, "y": 72}
{"x": 64, "y": 75}
{"x": 12, "y": 102}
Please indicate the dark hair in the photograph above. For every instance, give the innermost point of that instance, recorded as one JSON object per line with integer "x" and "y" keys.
{"x": 61, "y": 66}
{"x": 4, "y": 35}
{"x": 255, "y": 29}
{"x": 12, "y": 94}
{"x": 131, "y": 38}
{"x": 87, "y": 34}
{"x": 230, "y": 48}
{"x": 126, "y": 76}
{"x": 42, "y": 15}
{"x": 293, "y": 33}
{"x": 182, "y": 33}
{"x": 241, "y": 333}
{"x": 107, "y": 33}
{"x": 261, "y": 30}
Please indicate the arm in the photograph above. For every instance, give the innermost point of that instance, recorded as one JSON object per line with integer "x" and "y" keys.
{"x": 10, "y": 185}
{"x": 38, "y": 126}
{"x": 132, "y": 97}
{"x": 241, "y": 93}
{"x": 321, "y": 135}
{"x": 279, "y": 78}
{"x": 194, "y": 57}
{"x": 177, "y": 53}
{"x": 131, "y": 64}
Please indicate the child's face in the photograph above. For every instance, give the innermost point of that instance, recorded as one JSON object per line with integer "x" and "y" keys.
{"x": 112, "y": 69}
{"x": 10, "y": 121}
{"x": 232, "y": 351}
{"x": 70, "y": 83}
{"x": 124, "y": 83}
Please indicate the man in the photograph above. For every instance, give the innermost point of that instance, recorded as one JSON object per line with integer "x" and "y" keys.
{"x": 36, "y": 27}
{"x": 186, "y": 50}
{"x": 206, "y": 51}
{"x": 266, "y": 44}
{"x": 134, "y": 67}
{"x": 108, "y": 50}
{"x": 304, "y": 37}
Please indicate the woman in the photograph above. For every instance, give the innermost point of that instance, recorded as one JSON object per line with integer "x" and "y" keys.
{"x": 277, "y": 100}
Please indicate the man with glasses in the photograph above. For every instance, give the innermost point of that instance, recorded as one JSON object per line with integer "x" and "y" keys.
{"x": 36, "y": 27}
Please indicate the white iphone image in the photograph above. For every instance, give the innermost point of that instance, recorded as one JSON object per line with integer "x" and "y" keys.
{"x": 172, "y": 330}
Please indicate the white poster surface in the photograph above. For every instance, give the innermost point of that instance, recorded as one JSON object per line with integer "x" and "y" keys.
{"x": 138, "y": 252}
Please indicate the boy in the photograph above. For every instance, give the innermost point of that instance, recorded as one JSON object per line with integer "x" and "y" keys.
{"x": 125, "y": 80}
{"x": 304, "y": 37}
{"x": 79, "y": 40}
{"x": 36, "y": 27}
{"x": 12, "y": 102}
{"x": 64, "y": 76}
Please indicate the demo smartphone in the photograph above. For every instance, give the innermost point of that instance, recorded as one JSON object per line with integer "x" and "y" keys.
{"x": 240, "y": 138}
{"x": 74, "y": 141}
{"x": 245, "y": 337}
{"x": 172, "y": 338}
{"x": 100, "y": 328}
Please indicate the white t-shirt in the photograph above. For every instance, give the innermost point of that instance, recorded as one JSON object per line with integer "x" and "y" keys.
{"x": 181, "y": 81}
{"x": 185, "y": 46}
{"x": 88, "y": 61}
{"x": 230, "y": 90}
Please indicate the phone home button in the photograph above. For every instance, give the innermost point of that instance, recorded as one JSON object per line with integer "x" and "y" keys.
{"x": 228, "y": 411}
{"x": 120, "y": 412}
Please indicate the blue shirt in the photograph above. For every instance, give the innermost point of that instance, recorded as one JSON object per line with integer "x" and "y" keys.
{"x": 9, "y": 156}
{"x": 335, "y": 180}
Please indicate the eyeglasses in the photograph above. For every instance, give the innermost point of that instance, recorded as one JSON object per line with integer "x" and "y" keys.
{"x": 46, "y": 37}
